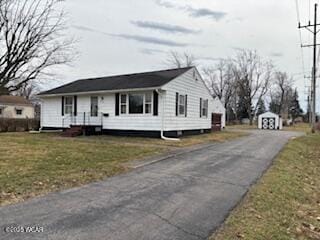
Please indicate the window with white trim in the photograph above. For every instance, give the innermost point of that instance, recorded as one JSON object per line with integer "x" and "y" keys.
{"x": 136, "y": 103}
{"x": 182, "y": 104}
{"x": 204, "y": 109}
{"x": 148, "y": 103}
{"x": 123, "y": 103}
{"x": 68, "y": 105}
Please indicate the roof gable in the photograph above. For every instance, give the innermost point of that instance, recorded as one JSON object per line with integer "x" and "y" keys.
{"x": 199, "y": 78}
{"x": 121, "y": 82}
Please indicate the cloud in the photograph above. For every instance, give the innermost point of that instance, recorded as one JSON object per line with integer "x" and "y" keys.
{"x": 205, "y": 12}
{"x": 238, "y": 48}
{"x": 164, "y": 27}
{"x": 276, "y": 54}
{"x": 210, "y": 58}
{"x": 151, "y": 40}
{"x": 149, "y": 51}
{"x": 165, "y": 4}
{"x": 138, "y": 38}
{"x": 194, "y": 12}
{"x": 83, "y": 28}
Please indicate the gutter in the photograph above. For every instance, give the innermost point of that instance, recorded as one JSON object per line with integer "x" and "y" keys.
{"x": 162, "y": 118}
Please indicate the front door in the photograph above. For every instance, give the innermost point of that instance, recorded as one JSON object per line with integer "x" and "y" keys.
{"x": 269, "y": 123}
{"x": 94, "y": 107}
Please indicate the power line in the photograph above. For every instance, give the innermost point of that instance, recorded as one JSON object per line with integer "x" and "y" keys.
{"x": 300, "y": 36}
{"x": 313, "y": 29}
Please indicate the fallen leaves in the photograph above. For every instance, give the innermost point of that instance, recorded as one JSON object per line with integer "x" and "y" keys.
{"x": 308, "y": 230}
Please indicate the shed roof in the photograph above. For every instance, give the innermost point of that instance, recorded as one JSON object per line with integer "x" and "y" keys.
{"x": 121, "y": 82}
{"x": 266, "y": 114}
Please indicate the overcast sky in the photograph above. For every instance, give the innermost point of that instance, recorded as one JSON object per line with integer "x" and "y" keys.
{"x": 126, "y": 36}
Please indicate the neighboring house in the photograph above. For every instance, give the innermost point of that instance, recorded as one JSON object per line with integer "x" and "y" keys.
{"x": 15, "y": 107}
{"x": 170, "y": 102}
{"x": 269, "y": 120}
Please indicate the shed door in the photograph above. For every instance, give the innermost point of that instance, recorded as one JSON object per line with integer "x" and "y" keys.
{"x": 216, "y": 122}
{"x": 269, "y": 123}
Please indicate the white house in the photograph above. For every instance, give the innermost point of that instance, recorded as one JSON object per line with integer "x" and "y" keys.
{"x": 269, "y": 120}
{"x": 163, "y": 103}
{"x": 16, "y": 107}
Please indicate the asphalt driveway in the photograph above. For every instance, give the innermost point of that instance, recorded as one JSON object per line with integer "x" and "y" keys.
{"x": 184, "y": 197}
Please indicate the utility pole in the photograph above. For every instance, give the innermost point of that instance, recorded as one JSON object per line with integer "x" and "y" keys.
{"x": 314, "y": 68}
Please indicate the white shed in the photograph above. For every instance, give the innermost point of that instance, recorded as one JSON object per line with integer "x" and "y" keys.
{"x": 269, "y": 120}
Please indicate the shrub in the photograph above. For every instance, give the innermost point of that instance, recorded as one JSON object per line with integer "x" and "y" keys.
{"x": 18, "y": 125}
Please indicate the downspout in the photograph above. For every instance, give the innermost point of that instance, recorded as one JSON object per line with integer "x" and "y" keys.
{"x": 162, "y": 118}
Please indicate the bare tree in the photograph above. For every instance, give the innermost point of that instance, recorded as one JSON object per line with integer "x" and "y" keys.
{"x": 220, "y": 79}
{"x": 280, "y": 93}
{"x": 253, "y": 76}
{"x": 178, "y": 60}
{"x": 31, "y": 41}
{"x": 28, "y": 90}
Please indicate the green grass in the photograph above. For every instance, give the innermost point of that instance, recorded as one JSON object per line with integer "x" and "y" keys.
{"x": 35, "y": 164}
{"x": 285, "y": 204}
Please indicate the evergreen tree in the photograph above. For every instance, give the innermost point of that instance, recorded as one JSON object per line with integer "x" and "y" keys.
{"x": 241, "y": 108}
{"x": 261, "y": 107}
{"x": 274, "y": 107}
{"x": 294, "y": 108}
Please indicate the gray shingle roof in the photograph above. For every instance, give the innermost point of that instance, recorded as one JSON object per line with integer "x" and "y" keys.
{"x": 121, "y": 82}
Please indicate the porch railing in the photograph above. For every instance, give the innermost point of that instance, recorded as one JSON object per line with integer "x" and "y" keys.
{"x": 82, "y": 119}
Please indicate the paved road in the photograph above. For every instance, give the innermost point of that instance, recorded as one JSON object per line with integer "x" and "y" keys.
{"x": 184, "y": 197}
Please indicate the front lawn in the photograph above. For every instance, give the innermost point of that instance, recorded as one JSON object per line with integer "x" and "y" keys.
{"x": 35, "y": 164}
{"x": 285, "y": 204}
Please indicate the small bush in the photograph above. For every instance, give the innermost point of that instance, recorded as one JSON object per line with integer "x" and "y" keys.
{"x": 18, "y": 125}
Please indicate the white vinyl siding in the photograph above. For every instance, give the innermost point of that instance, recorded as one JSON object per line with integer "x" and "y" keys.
{"x": 185, "y": 85}
{"x": 195, "y": 89}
